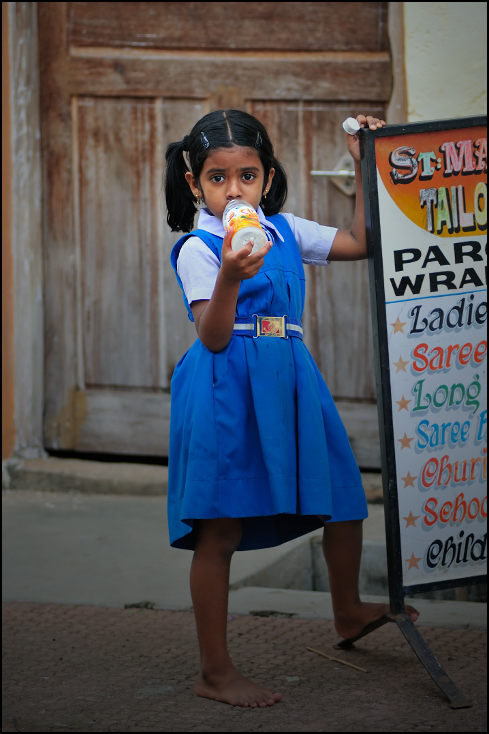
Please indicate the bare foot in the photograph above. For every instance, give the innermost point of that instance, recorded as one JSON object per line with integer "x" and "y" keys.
{"x": 350, "y": 625}
{"x": 233, "y": 688}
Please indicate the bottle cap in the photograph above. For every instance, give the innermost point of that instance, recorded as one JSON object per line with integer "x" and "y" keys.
{"x": 351, "y": 126}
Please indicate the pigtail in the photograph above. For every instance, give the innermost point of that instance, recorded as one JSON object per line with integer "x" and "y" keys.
{"x": 180, "y": 201}
{"x": 278, "y": 191}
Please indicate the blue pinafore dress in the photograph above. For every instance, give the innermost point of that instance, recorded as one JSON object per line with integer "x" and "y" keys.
{"x": 254, "y": 432}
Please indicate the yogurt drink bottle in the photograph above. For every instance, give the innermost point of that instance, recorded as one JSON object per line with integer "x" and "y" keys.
{"x": 243, "y": 218}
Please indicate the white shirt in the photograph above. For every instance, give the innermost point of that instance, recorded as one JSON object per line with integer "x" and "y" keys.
{"x": 198, "y": 267}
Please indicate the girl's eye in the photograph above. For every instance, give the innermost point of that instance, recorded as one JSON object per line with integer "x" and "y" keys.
{"x": 217, "y": 178}
{"x": 248, "y": 176}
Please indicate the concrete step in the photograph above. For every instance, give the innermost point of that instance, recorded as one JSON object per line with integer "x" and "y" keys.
{"x": 51, "y": 474}
{"x": 91, "y": 477}
{"x": 317, "y": 605}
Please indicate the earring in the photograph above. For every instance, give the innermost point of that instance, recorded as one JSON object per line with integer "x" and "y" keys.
{"x": 265, "y": 194}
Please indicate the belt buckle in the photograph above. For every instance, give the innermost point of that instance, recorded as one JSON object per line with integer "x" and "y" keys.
{"x": 271, "y": 326}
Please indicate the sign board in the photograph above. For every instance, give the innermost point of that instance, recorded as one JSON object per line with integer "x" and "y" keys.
{"x": 425, "y": 187}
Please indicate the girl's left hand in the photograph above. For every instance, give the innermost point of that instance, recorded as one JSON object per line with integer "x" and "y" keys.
{"x": 353, "y": 141}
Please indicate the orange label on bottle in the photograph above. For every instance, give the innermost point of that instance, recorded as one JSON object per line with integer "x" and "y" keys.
{"x": 240, "y": 217}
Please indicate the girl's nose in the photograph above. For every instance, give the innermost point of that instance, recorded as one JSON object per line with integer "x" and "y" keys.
{"x": 234, "y": 190}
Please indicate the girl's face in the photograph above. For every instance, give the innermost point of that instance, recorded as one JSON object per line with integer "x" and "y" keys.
{"x": 230, "y": 173}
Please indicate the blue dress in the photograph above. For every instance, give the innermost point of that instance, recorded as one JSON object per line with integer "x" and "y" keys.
{"x": 254, "y": 432}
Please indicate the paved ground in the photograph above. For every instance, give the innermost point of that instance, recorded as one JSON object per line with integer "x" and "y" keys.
{"x": 74, "y": 659}
{"x": 95, "y": 669}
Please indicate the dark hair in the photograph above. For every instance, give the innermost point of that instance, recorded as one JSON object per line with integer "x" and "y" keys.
{"x": 219, "y": 129}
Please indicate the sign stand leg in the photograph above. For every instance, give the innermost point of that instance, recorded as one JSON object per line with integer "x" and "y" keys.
{"x": 457, "y": 699}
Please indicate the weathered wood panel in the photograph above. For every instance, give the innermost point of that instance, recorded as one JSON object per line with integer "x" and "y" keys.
{"x": 284, "y": 124}
{"x": 338, "y": 305}
{"x": 138, "y": 423}
{"x": 123, "y": 422}
{"x": 337, "y": 327}
{"x": 361, "y": 421}
{"x": 119, "y": 146}
{"x": 179, "y": 117}
{"x": 180, "y": 75}
{"x": 134, "y": 325}
{"x": 304, "y": 26}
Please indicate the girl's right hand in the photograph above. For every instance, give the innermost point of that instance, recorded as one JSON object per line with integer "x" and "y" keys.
{"x": 241, "y": 265}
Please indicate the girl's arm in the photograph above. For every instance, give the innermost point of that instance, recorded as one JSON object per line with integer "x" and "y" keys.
{"x": 214, "y": 319}
{"x": 352, "y": 245}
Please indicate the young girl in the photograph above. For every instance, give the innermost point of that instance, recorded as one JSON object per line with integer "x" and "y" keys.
{"x": 258, "y": 453}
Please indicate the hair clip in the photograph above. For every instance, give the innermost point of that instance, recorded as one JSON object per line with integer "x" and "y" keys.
{"x": 205, "y": 142}
{"x": 258, "y": 140}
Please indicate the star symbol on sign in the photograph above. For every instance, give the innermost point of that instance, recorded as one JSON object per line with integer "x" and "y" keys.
{"x": 413, "y": 561}
{"x": 411, "y": 519}
{"x": 408, "y": 480}
{"x": 401, "y": 365}
{"x": 398, "y": 325}
{"x": 403, "y": 403}
{"x": 405, "y": 442}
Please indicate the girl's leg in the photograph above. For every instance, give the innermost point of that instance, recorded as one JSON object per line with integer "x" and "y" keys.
{"x": 209, "y": 583}
{"x": 342, "y": 545}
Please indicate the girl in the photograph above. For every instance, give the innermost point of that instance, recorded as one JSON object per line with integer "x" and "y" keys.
{"x": 258, "y": 453}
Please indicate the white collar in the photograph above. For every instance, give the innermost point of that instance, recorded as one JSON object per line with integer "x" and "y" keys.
{"x": 214, "y": 225}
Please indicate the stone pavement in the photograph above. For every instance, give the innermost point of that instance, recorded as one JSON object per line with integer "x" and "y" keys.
{"x": 97, "y": 669}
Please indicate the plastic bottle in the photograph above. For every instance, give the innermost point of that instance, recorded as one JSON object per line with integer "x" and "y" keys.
{"x": 243, "y": 218}
{"x": 351, "y": 126}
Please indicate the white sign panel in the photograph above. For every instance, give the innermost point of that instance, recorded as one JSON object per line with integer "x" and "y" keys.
{"x": 432, "y": 208}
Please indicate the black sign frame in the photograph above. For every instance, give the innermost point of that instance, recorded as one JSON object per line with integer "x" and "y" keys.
{"x": 397, "y": 589}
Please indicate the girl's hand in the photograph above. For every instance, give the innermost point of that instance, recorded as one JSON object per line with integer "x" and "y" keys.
{"x": 241, "y": 265}
{"x": 353, "y": 141}
{"x": 214, "y": 319}
{"x": 352, "y": 245}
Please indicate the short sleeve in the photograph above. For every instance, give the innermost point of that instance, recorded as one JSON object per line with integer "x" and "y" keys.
{"x": 314, "y": 240}
{"x": 197, "y": 267}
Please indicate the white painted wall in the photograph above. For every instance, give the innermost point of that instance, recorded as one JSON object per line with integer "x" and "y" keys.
{"x": 445, "y": 59}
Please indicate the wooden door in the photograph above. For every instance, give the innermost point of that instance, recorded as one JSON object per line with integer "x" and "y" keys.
{"x": 119, "y": 81}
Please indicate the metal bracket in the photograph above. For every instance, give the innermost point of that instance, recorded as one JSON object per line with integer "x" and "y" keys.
{"x": 342, "y": 176}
